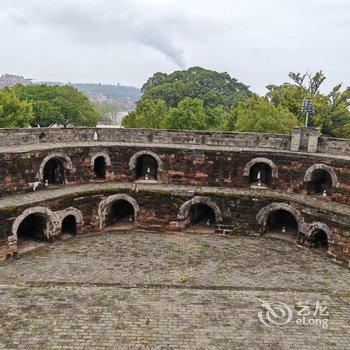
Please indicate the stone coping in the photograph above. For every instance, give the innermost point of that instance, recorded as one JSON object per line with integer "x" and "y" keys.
{"x": 54, "y": 146}
{"x": 177, "y": 190}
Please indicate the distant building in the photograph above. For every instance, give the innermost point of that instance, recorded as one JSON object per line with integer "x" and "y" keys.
{"x": 11, "y": 80}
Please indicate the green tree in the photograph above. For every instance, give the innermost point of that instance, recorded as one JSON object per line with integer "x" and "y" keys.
{"x": 288, "y": 96}
{"x": 62, "y": 105}
{"x": 258, "y": 115}
{"x": 331, "y": 111}
{"x": 213, "y": 88}
{"x": 217, "y": 118}
{"x": 188, "y": 115}
{"x": 14, "y": 113}
{"x": 148, "y": 114}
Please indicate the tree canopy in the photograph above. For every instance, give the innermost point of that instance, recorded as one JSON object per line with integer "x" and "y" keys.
{"x": 258, "y": 115}
{"x": 192, "y": 99}
{"x": 331, "y": 111}
{"x": 62, "y": 105}
{"x": 202, "y": 99}
{"x": 213, "y": 88}
{"x": 189, "y": 114}
{"x": 148, "y": 114}
{"x": 13, "y": 111}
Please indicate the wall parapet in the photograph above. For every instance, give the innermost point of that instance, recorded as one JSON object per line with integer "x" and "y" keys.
{"x": 309, "y": 141}
{"x": 15, "y": 137}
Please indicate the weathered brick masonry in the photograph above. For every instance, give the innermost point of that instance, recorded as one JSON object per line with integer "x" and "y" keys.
{"x": 198, "y": 166}
{"x": 241, "y": 178}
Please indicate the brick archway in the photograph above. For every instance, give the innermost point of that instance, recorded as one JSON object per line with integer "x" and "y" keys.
{"x": 328, "y": 169}
{"x": 265, "y": 212}
{"x": 51, "y": 222}
{"x": 133, "y": 159}
{"x": 107, "y": 203}
{"x": 249, "y": 165}
{"x": 100, "y": 154}
{"x": 185, "y": 208}
{"x": 67, "y": 162}
{"x": 61, "y": 215}
{"x": 314, "y": 226}
{"x": 68, "y": 214}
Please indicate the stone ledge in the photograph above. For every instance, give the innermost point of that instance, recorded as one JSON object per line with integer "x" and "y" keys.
{"x": 172, "y": 190}
{"x": 143, "y": 145}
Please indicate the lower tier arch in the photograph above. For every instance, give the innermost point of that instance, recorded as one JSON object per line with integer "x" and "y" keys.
{"x": 155, "y": 207}
{"x": 35, "y": 222}
{"x": 118, "y": 207}
{"x": 263, "y": 215}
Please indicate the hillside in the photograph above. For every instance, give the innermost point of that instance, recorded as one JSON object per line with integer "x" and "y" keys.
{"x": 97, "y": 91}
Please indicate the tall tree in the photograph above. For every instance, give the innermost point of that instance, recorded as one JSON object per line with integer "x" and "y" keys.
{"x": 62, "y": 105}
{"x": 212, "y": 87}
{"x": 258, "y": 115}
{"x": 148, "y": 114}
{"x": 188, "y": 115}
{"x": 331, "y": 111}
{"x": 14, "y": 112}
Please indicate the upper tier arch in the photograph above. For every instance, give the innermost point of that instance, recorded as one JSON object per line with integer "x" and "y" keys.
{"x": 328, "y": 169}
{"x": 100, "y": 154}
{"x": 133, "y": 159}
{"x": 68, "y": 164}
{"x": 267, "y": 161}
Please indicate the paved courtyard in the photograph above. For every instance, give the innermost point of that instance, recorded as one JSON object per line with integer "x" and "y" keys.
{"x": 173, "y": 291}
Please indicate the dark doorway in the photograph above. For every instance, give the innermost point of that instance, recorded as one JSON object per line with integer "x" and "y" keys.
{"x": 201, "y": 217}
{"x": 69, "y": 225}
{"x": 54, "y": 171}
{"x": 260, "y": 175}
{"x": 100, "y": 167}
{"x": 321, "y": 182}
{"x": 120, "y": 211}
{"x": 146, "y": 168}
{"x": 320, "y": 240}
{"x": 33, "y": 227}
{"x": 282, "y": 221}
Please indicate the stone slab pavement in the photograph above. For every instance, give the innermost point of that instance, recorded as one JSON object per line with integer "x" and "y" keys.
{"x": 173, "y": 291}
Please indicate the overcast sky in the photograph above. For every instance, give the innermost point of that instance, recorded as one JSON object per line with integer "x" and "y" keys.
{"x": 126, "y": 41}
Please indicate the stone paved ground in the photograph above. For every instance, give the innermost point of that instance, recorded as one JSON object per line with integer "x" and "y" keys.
{"x": 159, "y": 291}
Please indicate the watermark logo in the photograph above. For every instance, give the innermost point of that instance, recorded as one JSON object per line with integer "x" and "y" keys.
{"x": 304, "y": 313}
{"x": 276, "y": 314}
